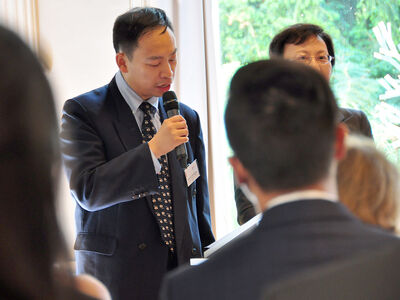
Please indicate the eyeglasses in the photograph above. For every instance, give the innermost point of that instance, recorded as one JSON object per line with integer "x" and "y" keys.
{"x": 320, "y": 59}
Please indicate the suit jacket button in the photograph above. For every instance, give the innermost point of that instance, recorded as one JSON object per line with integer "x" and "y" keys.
{"x": 194, "y": 251}
{"x": 142, "y": 246}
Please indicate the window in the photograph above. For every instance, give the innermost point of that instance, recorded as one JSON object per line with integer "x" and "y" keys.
{"x": 247, "y": 27}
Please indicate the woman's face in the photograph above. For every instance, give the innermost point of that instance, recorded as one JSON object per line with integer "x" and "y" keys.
{"x": 308, "y": 53}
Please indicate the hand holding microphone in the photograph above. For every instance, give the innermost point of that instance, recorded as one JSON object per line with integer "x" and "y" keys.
{"x": 173, "y": 133}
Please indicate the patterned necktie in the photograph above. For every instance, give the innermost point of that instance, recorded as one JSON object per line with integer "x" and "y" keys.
{"x": 161, "y": 202}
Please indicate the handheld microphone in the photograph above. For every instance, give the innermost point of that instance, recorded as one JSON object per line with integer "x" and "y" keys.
{"x": 171, "y": 106}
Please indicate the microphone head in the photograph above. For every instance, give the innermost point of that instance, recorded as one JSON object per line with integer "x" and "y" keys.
{"x": 170, "y": 100}
{"x": 169, "y": 95}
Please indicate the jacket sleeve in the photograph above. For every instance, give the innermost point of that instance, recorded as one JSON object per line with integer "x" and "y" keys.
{"x": 97, "y": 182}
{"x": 365, "y": 126}
{"x": 245, "y": 209}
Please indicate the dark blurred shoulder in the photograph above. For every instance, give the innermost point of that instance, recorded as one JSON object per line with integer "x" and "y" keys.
{"x": 356, "y": 121}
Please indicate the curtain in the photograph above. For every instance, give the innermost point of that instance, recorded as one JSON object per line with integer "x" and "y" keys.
{"x": 22, "y": 17}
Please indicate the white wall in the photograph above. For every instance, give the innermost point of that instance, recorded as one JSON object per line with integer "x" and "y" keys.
{"x": 79, "y": 35}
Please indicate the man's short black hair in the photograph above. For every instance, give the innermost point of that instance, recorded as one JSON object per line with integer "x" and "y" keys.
{"x": 130, "y": 26}
{"x": 281, "y": 123}
{"x": 297, "y": 34}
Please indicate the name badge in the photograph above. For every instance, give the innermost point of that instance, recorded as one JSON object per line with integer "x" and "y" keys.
{"x": 192, "y": 172}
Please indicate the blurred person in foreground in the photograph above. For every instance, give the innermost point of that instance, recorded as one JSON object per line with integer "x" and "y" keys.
{"x": 31, "y": 243}
{"x": 368, "y": 183}
{"x": 308, "y": 44}
{"x": 281, "y": 122}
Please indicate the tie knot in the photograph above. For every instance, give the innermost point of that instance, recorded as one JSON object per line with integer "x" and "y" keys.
{"x": 147, "y": 108}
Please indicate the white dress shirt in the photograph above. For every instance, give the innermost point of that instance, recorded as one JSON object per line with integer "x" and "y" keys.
{"x": 301, "y": 195}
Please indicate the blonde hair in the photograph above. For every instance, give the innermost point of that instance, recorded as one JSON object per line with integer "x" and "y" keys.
{"x": 368, "y": 183}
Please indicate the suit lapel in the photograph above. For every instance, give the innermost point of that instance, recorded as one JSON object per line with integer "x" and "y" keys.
{"x": 125, "y": 123}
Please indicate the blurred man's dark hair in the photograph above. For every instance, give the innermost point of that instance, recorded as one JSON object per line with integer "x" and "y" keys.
{"x": 281, "y": 121}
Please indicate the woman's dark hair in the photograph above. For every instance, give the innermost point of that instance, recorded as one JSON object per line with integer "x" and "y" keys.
{"x": 281, "y": 120}
{"x": 297, "y": 34}
{"x": 30, "y": 237}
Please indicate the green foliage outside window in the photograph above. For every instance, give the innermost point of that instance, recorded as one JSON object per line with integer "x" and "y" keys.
{"x": 247, "y": 27}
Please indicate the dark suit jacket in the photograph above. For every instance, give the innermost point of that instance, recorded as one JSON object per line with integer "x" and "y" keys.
{"x": 290, "y": 238}
{"x": 374, "y": 275}
{"x": 111, "y": 176}
{"x": 355, "y": 120}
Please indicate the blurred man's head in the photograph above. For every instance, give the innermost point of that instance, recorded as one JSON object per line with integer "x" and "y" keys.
{"x": 305, "y": 43}
{"x": 281, "y": 124}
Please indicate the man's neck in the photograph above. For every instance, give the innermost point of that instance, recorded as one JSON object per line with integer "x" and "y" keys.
{"x": 327, "y": 186}
{"x": 123, "y": 75}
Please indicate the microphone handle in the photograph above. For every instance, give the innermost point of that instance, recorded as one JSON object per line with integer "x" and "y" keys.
{"x": 181, "y": 152}
{"x": 172, "y": 112}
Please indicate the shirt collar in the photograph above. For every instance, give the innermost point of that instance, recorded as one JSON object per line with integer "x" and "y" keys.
{"x": 301, "y": 195}
{"x": 130, "y": 96}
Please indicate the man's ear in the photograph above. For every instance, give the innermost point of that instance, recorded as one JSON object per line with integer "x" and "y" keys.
{"x": 241, "y": 173}
{"x": 121, "y": 60}
{"x": 340, "y": 145}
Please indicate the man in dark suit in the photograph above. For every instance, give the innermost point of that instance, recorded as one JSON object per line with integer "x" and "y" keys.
{"x": 281, "y": 122}
{"x": 374, "y": 275}
{"x": 137, "y": 216}
{"x": 311, "y": 45}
